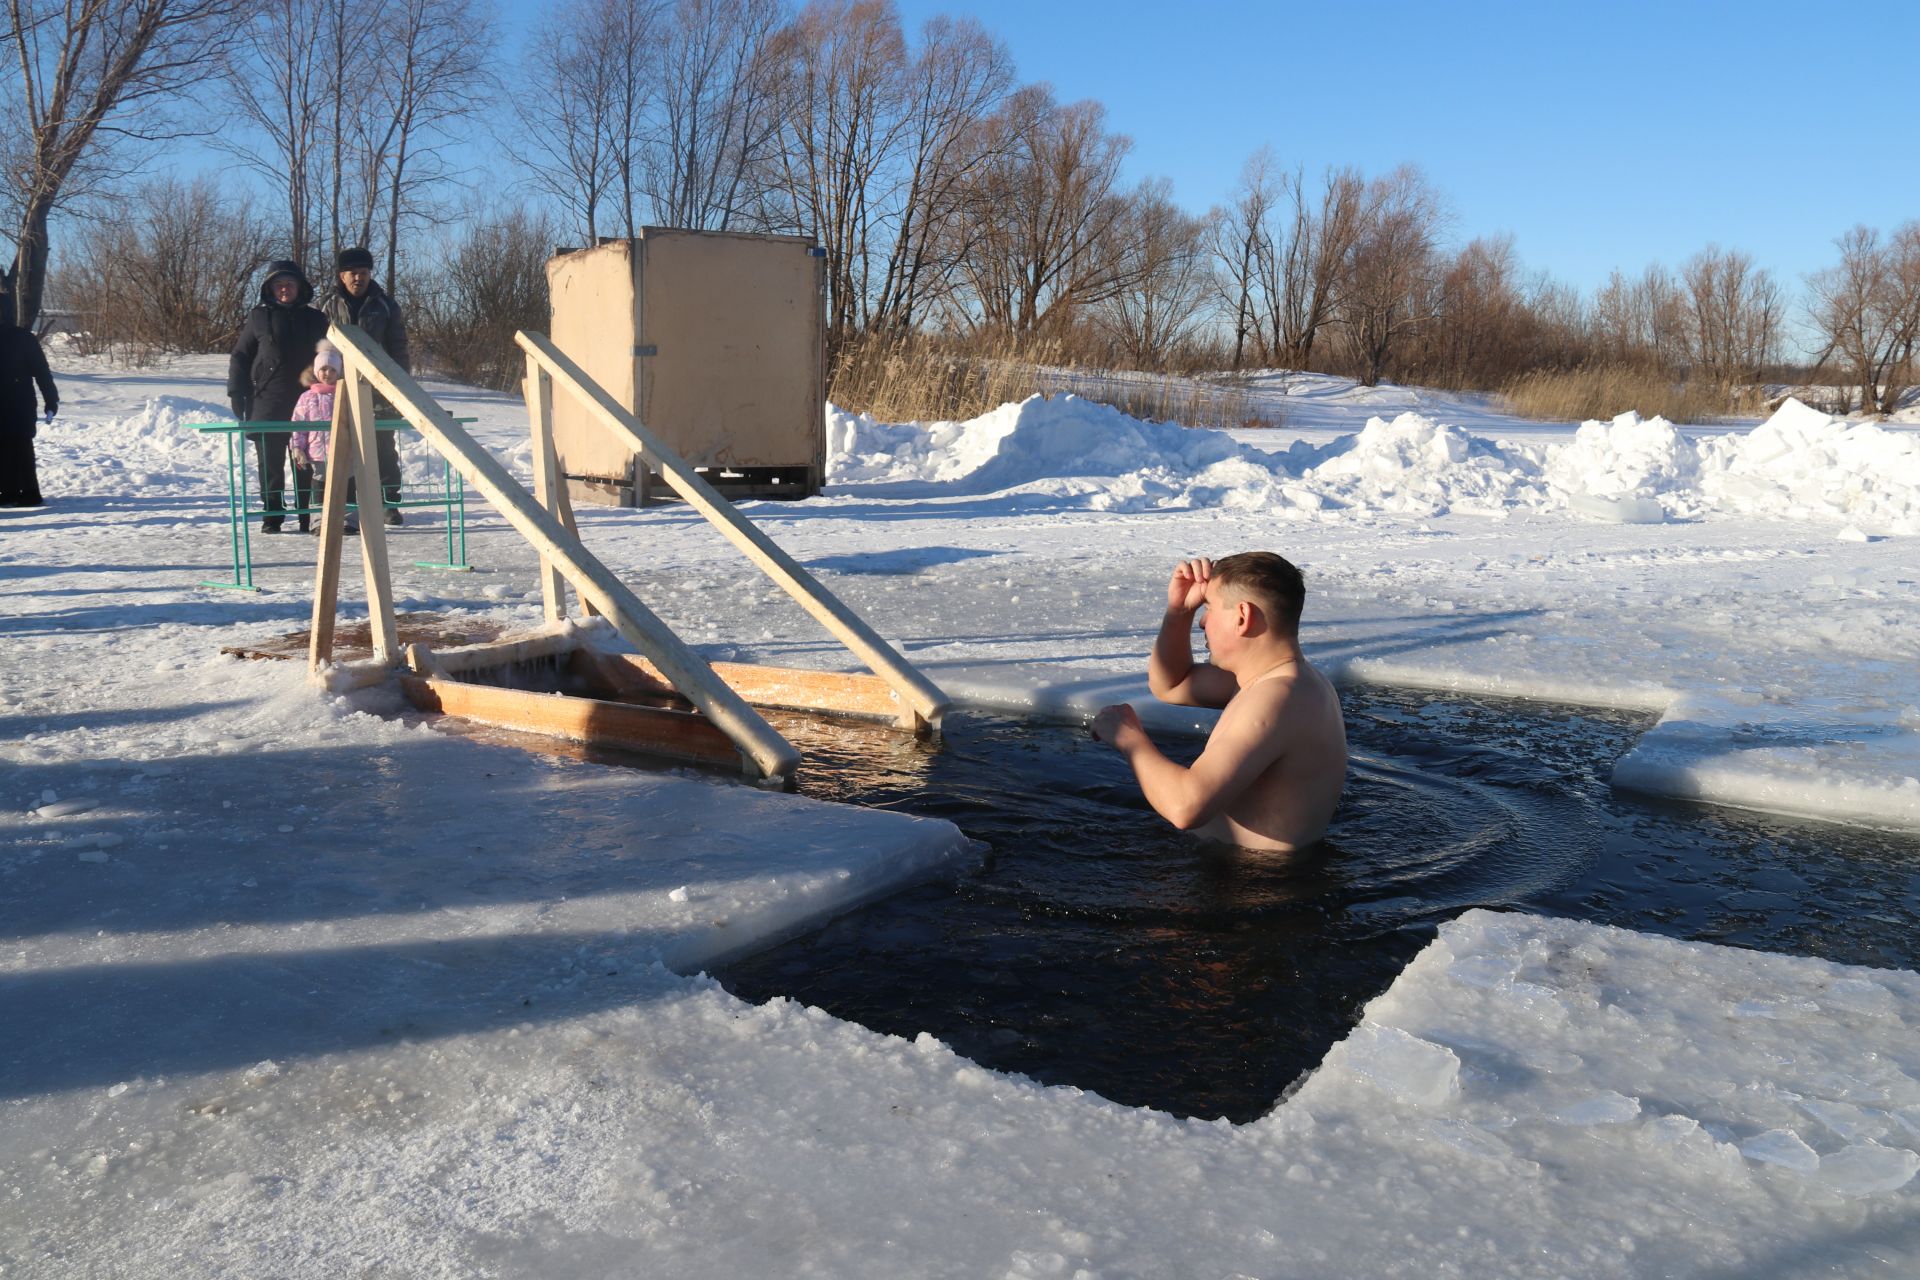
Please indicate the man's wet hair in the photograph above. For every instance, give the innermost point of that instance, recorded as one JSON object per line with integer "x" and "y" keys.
{"x": 1270, "y": 581}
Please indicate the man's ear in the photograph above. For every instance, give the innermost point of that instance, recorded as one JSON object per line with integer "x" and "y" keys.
{"x": 1247, "y": 620}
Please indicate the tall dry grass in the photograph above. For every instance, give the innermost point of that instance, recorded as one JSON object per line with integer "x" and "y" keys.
{"x": 917, "y": 379}
{"x": 1607, "y": 390}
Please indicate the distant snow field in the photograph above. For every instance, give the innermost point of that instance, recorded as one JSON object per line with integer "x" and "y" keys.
{"x": 293, "y": 988}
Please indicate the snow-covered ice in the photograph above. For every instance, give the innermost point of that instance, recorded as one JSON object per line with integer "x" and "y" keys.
{"x": 292, "y": 988}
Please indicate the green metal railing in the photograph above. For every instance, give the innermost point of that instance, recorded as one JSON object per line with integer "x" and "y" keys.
{"x": 452, "y": 498}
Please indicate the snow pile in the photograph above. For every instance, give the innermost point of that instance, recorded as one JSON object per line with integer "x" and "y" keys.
{"x": 1416, "y": 466}
{"x": 1799, "y": 465}
{"x": 1019, "y": 444}
{"x": 1632, "y": 470}
{"x": 138, "y": 451}
{"x": 1802, "y": 464}
{"x": 1101, "y": 458}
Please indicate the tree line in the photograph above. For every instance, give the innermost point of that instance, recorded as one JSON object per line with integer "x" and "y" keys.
{"x": 957, "y": 205}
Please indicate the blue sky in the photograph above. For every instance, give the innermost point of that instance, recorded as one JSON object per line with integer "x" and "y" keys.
{"x": 1600, "y": 135}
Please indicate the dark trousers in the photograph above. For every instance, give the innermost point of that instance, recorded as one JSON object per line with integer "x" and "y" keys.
{"x": 270, "y": 451}
{"x": 389, "y": 452}
{"x": 389, "y": 455}
{"x": 19, "y": 477}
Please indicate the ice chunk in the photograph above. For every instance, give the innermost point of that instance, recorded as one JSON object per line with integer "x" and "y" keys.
{"x": 1483, "y": 969}
{"x": 64, "y": 808}
{"x": 1617, "y": 510}
{"x": 1859, "y": 995}
{"x": 1602, "y": 1108}
{"x": 1782, "y": 1147}
{"x": 1774, "y": 1007}
{"x": 1470, "y": 1139}
{"x": 1865, "y": 1169}
{"x": 1403, "y": 1066}
{"x": 1852, "y": 533}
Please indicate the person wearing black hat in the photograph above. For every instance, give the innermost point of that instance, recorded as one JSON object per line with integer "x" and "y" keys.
{"x": 357, "y": 299}
{"x": 276, "y": 345}
{"x": 23, "y": 365}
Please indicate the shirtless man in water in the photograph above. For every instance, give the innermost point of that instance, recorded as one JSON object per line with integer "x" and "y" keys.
{"x": 1275, "y": 763}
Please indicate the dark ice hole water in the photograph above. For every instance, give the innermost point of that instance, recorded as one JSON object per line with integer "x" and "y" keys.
{"x": 1095, "y": 946}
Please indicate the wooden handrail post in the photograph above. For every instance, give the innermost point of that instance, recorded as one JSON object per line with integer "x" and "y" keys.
{"x": 547, "y": 482}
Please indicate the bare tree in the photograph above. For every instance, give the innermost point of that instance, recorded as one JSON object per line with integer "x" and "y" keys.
{"x": 959, "y": 77}
{"x": 1308, "y": 267}
{"x": 175, "y": 274}
{"x": 586, "y": 88}
{"x": 282, "y": 80}
{"x": 1390, "y": 291}
{"x": 433, "y": 73}
{"x": 1158, "y": 308}
{"x": 1041, "y": 218}
{"x": 1241, "y": 241}
{"x": 94, "y": 75}
{"x": 842, "y": 70}
{"x": 714, "y": 124}
{"x": 485, "y": 284}
{"x": 1733, "y": 313}
{"x": 1866, "y": 309}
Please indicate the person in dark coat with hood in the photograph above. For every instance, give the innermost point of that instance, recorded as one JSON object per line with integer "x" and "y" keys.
{"x": 356, "y": 298}
{"x": 23, "y": 365}
{"x": 276, "y": 345}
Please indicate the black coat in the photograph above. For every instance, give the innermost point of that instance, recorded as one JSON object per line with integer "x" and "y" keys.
{"x": 275, "y": 347}
{"x": 22, "y": 365}
{"x": 379, "y": 317}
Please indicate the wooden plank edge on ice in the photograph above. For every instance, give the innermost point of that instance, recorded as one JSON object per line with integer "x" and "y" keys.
{"x": 676, "y": 735}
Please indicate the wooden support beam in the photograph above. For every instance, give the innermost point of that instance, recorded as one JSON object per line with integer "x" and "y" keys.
{"x": 790, "y": 688}
{"x": 363, "y": 456}
{"x": 333, "y": 514}
{"x": 549, "y": 487}
{"x": 921, "y": 702}
{"x": 677, "y": 735}
{"x": 762, "y": 749}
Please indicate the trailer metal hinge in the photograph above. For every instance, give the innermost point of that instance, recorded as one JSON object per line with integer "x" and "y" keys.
{"x": 649, "y": 350}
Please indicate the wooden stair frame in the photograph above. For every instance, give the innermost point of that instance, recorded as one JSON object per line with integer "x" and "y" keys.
{"x": 721, "y": 728}
{"x": 920, "y": 703}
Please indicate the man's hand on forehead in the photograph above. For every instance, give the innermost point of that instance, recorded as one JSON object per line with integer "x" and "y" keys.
{"x": 1188, "y": 588}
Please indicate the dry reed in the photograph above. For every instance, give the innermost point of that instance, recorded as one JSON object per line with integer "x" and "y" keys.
{"x": 1605, "y": 391}
{"x": 923, "y": 380}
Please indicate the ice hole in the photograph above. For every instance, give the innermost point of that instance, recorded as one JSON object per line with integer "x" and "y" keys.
{"x": 1093, "y": 945}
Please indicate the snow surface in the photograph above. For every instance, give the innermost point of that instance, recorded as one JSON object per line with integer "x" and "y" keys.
{"x": 293, "y": 988}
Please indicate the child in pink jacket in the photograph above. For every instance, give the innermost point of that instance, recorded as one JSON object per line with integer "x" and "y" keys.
{"x": 309, "y": 448}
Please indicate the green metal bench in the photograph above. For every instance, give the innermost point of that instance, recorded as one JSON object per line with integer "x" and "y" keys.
{"x": 452, "y": 498}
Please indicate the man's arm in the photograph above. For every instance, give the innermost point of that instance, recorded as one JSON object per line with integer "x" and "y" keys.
{"x": 1172, "y": 673}
{"x": 240, "y": 371}
{"x": 397, "y": 336}
{"x": 42, "y": 374}
{"x": 1248, "y": 738}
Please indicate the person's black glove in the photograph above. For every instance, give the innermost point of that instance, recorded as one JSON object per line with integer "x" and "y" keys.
{"x": 240, "y": 408}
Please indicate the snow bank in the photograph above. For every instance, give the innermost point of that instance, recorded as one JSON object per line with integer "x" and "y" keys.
{"x": 1530, "y": 1097}
{"x": 1799, "y": 465}
{"x": 131, "y": 453}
